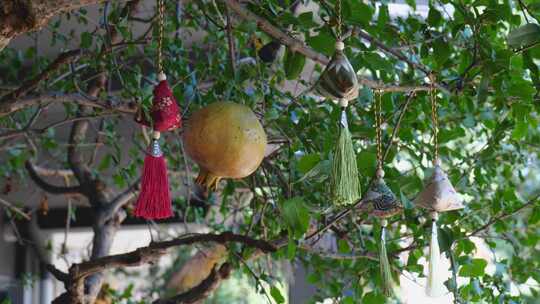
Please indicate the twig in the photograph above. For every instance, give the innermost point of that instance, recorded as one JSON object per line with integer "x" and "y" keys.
{"x": 49, "y": 187}
{"x": 230, "y": 41}
{"x": 128, "y": 107}
{"x": 296, "y": 45}
{"x": 10, "y": 206}
{"x": 503, "y": 216}
{"x": 363, "y": 34}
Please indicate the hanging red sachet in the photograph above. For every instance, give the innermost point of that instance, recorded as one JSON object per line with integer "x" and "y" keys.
{"x": 154, "y": 201}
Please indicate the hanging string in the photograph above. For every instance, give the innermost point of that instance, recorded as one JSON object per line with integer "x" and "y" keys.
{"x": 378, "y": 129}
{"x": 161, "y": 25}
{"x": 338, "y": 17}
{"x": 434, "y": 119}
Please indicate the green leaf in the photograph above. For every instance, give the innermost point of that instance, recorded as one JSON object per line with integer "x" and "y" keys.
{"x": 434, "y": 17}
{"x": 293, "y": 64}
{"x": 441, "y": 51}
{"x": 446, "y": 239}
{"x": 86, "y": 40}
{"x": 535, "y": 216}
{"x": 323, "y": 43}
{"x": 343, "y": 246}
{"x": 306, "y": 20}
{"x": 276, "y": 294}
{"x": 296, "y": 215}
{"x": 291, "y": 249}
{"x": 475, "y": 268}
{"x": 520, "y": 130}
{"x": 407, "y": 203}
{"x": 373, "y": 298}
{"x": 307, "y": 162}
{"x": 482, "y": 91}
{"x": 347, "y": 300}
{"x": 524, "y": 36}
{"x": 318, "y": 173}
{"x": 357, "y": 12}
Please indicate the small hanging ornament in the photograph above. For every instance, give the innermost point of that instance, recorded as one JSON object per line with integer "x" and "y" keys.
{"x": 438, "y": 196}
{"x": 338, "y": 82}
{"x": 154, "y": 201}
{"x": 381, "y": 202}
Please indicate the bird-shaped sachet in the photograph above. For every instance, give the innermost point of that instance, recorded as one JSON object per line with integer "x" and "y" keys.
{"x": 382, "y": 203}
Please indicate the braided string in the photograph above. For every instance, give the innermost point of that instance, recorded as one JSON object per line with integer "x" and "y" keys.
{"x": 378, "y": 128}
{"x": 338, "y": 16}
{"x": 434, "y": 120}
{"x": 161, "y": 25}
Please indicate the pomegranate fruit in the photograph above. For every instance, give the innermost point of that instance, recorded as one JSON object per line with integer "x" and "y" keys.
{"x": 226, "y": 140}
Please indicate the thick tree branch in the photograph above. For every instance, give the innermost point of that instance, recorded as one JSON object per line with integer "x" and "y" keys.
{"x": 299, "y": 46}
{"x": 128, "y": 107}
{"x": 48, "y": 187}
{"x": 18, "y": 17}
{"x": 122, "y": 199}
{"x": 155, "y": 250}
{"x": 203, "y": 290}
{"x": 78, "y": 272}
{"x": 61, "y": 60}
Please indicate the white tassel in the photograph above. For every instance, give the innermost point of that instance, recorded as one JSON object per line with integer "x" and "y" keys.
{"x": 435, "y": 282}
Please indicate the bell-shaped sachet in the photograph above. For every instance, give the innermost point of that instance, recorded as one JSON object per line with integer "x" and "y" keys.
{"x": 165, "y": 112}
{"x": 338, "y": 81}
{"x": 439, "y": 195}
{"x": 154, "y": 201}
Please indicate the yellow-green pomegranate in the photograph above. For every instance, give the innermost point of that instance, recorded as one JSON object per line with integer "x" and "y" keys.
{"x": 227, "y": 141}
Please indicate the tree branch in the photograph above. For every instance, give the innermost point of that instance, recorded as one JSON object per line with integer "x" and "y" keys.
{"x": 27, "y": 86}
{"x": 128, "y": 107}
{"x": 123, "y": 198}
{"x": 299, "y": 46}
{"x": 19, "y": 17}
{"x": 202, "y": 290}
{"x": 78, "y": 272}
{"x": 363, "y": 34}
{"x": 10, "y": 206}
{"x": 48, "y": 187}
{"x": 503, "y": 216}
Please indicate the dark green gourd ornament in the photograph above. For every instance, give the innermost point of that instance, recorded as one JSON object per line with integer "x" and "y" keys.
{"x": 338, "y": 82}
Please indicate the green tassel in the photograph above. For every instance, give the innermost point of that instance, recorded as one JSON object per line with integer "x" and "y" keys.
{"x": 345, "y": 185}
{"x": 386, "y": 274}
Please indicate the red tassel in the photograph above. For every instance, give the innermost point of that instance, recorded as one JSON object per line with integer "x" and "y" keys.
{"x": 154, "y": 201}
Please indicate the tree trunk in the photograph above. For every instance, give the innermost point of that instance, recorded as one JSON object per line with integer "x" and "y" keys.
{"x": 22, "y": 16}
{"x": 104, "y": 232}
